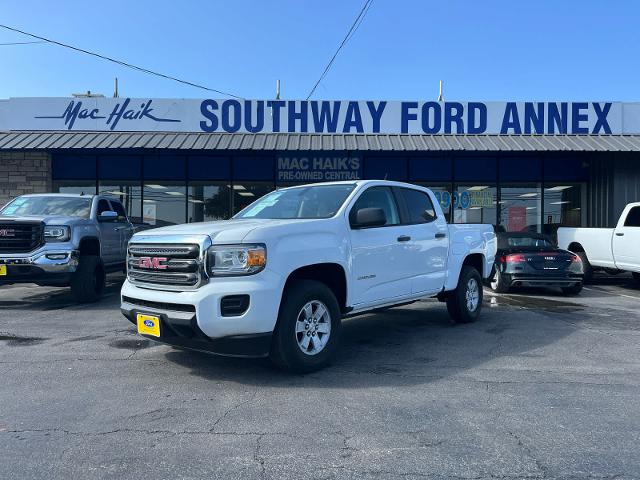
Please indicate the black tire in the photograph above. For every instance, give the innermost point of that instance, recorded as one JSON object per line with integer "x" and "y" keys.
{"x": 457, "y": 300}
{"x": 636, "y": 276}
{"x": 88, "y": 281}
{"x": 497, "y": 282}
{"x": 586, "y": 267}
{"x": 575, "y": 290}
{"x": 286, "y": 352}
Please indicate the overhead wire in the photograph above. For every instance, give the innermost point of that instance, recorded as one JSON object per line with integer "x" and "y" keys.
{"x": 120, "y": 62}
{"x": 354, "y": 26}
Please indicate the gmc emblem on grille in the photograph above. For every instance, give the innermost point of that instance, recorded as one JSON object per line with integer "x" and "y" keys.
{"x": 7, "y": 232}
{"x": 154, "y": 263}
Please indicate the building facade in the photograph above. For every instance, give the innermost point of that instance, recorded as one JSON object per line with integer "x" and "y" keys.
{"x": 520, "y": 166}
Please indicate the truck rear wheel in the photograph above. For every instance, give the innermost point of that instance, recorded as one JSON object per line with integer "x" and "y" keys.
{"x": 465, "y": 302}
{"x": 87, "y": 283}
{"x": 308, "y": 329}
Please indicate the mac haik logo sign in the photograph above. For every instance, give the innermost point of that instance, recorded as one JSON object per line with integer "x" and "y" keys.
{"x": 319, "y": 116}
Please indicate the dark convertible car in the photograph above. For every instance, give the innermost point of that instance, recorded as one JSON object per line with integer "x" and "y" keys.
{"x": 532, "y": 260}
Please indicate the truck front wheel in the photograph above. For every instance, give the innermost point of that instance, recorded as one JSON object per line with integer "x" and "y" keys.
{"x": 88, "y": 280}
{"x": 465, "y": 302}
{"x": 308, "y": 329}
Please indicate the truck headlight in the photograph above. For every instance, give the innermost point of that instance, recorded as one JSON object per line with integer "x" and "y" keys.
{"x": 55, "y": 233}
{"x": 241, "y": 259}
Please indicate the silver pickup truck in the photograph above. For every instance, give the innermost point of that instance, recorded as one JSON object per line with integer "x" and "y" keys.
{"x": 63, "y": 240}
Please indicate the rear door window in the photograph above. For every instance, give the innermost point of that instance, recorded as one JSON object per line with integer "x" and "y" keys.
{"x": 633, "y": 218}
{"x": 419, "y": 206}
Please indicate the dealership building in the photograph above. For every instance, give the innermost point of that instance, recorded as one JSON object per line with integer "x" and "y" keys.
{"x": 523, "y": 166}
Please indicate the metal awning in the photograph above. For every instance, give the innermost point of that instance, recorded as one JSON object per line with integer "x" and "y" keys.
{"x": 74, "y": 140}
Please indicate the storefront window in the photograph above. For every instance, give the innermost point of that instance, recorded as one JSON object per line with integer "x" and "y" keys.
{"x": 245, "y": 193}
{"x": 164, "y": 203}
{"x": 208, "y": 202}
{"x": 88, "y": 187}
{"x": 520, "y": 207}
{"x": 474, "y": 203}
{"x": 129, "y": 193}
{"x": 564, "y": 205}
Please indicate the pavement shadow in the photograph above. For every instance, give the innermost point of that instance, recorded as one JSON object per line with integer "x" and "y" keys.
{"x": 45, "y": 299}
{"x": 403, "y": 346}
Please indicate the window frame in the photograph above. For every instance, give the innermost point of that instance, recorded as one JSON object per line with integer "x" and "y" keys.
{"x": 394, "y": 199}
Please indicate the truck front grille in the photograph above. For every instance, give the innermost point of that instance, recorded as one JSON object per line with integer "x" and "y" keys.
{"x": 165, "y": 265}
{"x": 20, "y": 237}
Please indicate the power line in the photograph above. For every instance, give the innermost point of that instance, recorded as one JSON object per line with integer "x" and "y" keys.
{"x": 120, "y": 62}
{"x": 352, "y": 30}
{"x": 19, "y": 43}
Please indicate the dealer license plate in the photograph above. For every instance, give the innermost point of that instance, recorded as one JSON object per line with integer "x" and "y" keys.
{"x": 148, "y": 324}
{"x": 3, "y": 270}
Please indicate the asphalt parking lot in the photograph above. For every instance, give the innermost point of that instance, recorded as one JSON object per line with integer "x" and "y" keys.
{"x": 542, "y": 386}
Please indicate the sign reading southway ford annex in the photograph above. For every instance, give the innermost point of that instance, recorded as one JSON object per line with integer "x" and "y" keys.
{"x": 294, "y": 116}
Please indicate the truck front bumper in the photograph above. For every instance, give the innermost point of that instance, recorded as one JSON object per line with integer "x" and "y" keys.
{"x": 50, "y": 266}
{"x": 197, "y": 319}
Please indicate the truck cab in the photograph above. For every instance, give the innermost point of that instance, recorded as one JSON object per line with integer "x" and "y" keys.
{"x": 614, "y": 250}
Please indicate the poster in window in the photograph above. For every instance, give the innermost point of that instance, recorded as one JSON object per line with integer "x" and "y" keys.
{"x": 517, "y": 219}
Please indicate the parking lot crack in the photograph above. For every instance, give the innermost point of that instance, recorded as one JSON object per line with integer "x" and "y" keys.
{"x": 259, "y": 459}
{"x": 232, "y": 409}
{"x": 527, "y": 450}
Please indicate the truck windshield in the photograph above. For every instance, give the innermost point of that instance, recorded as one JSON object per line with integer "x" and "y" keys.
{"x": 48, "y": 205}
{"x": 318, "y": 201}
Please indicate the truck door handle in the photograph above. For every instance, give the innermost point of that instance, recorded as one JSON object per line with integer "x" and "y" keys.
{"x": 404, "y": 238}
{"x": 620, "y": 234}
{"x": 440, "y": 235}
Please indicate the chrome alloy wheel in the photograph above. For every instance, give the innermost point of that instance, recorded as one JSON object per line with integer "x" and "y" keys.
{"x": 472, "y": 295}
{"x": 313, "y": 327}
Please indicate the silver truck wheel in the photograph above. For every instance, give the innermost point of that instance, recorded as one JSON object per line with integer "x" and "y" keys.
{"x": 307, "y": 333}
{"x": 465, "y": 302}
{"x": 313, "y": 327}
{"x": 472, "y": 294}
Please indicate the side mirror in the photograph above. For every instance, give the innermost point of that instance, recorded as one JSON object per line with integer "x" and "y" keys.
{"x": 369, "y": 217}
{"x": 108, "y": 216}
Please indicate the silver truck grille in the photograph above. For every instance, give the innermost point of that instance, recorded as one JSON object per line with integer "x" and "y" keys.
{"x": 165, "y": 265}
{"x": 20, "y": 237}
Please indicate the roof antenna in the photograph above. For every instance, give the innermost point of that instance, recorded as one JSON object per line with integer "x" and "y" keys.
{"x": 115, "y": 92}
{"x": 440, "y": 97}
{"x": 278, "y": 89}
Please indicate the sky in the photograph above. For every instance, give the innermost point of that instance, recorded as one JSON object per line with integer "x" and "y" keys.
{"x": 490, "y": 50}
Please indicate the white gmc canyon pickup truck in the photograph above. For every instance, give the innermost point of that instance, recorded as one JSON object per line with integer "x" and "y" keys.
{"x": 612, "y": 249}
{"x": 277, "y": 279}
